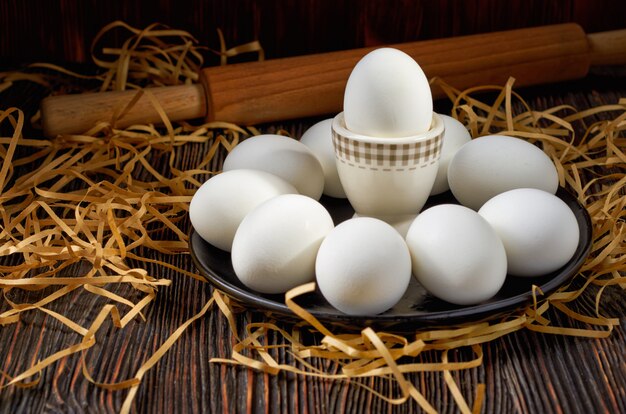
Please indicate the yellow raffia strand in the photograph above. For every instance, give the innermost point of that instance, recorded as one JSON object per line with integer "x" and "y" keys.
{"x": 154, "y": 56}
{"x": 68, "y": 217}
{"x": 84, "y": 203}
{"x": 95, "y": 200}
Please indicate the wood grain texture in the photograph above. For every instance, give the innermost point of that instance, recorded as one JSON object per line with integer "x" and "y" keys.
{"x": 251, "y": 93}
{"x": 524, "y": 372}
{"x": 180, "y": 102}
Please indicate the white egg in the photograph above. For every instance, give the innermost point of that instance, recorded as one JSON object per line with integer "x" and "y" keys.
{"x": 456, "y": 255}
{"x": 220, "y": 204}
{"x": 539, "y": 231}
{"x": 276, "y": 244}
{"x": 363, "y": 266}
{"x": 455, "y": 136}
{"x": 285, "y": 157}
{"x": 388, "y": 95}
{"x": 319, "y": 139}
{"x": 493, "y": 164}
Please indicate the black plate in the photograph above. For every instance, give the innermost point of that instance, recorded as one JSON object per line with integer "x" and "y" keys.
{"x": 417, "y": 307}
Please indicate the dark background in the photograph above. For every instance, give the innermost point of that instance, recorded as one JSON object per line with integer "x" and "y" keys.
{"x": 62, "y": 30}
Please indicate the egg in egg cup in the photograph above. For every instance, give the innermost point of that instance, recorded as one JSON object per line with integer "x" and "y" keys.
{"x": 387, "y": 178}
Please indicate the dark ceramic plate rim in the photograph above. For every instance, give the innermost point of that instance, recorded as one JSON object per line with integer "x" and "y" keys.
{"x": 260, "y": 302}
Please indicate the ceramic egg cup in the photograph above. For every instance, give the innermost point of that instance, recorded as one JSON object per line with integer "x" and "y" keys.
{"x": 387, "y": 178}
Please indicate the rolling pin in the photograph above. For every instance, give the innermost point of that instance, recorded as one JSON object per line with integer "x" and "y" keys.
{"x": 311, "y": 85}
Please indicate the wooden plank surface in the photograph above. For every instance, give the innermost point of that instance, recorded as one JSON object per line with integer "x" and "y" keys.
{"x": 524, "y": 372}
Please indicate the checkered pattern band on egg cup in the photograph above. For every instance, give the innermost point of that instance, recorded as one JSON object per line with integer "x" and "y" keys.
{"x": 388, "y": 154}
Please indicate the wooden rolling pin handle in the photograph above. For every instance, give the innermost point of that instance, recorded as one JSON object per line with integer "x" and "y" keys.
{"x": 68, "y": 114}
{"x": 312, "y": 85}
{"x": 607, "y": 48}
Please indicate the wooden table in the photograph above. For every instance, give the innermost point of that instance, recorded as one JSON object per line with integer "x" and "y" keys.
{"x": 524, "y": 372}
